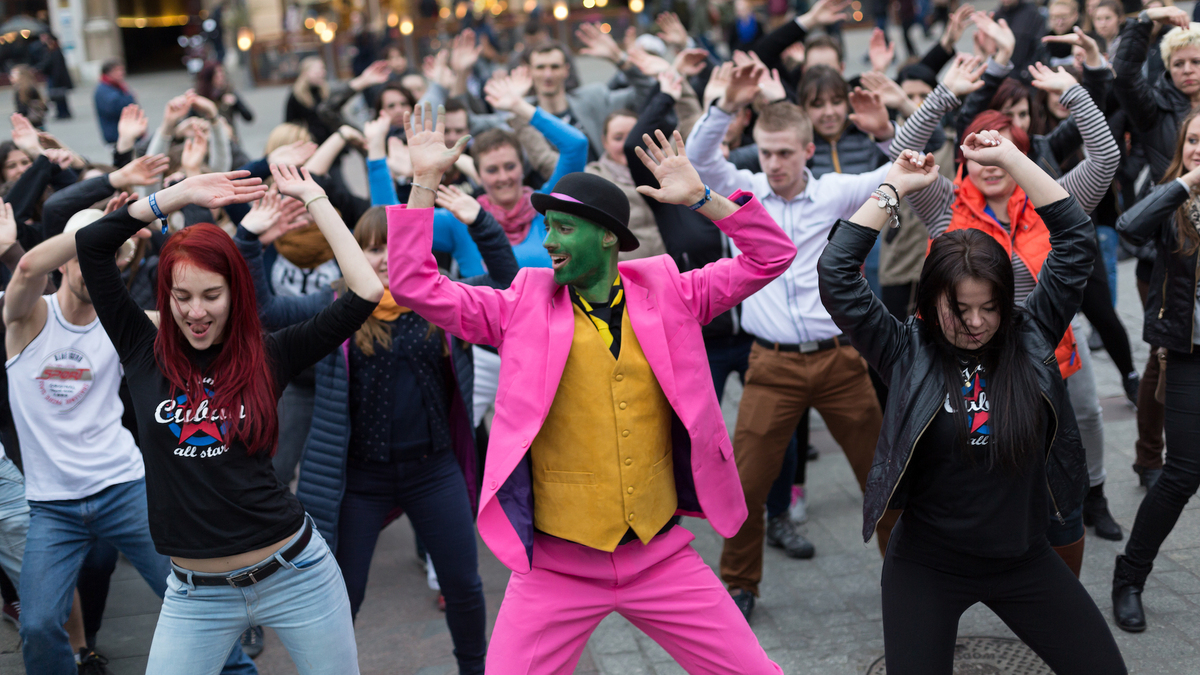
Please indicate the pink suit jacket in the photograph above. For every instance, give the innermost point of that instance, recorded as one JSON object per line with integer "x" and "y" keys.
{"x": 532, "y": 324}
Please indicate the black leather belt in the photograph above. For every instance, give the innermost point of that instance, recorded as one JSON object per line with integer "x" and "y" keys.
{"x": 255, "y": 574}
{"x": 806, "y": 347}
{"x": 631, "y": 536}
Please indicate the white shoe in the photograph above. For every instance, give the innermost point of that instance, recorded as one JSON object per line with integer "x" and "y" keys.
{"x": 798, "y": 511}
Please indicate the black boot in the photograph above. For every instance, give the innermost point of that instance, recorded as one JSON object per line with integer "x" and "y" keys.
{"x": 1128, "y": 581}
{"x": 1095, "y": 514}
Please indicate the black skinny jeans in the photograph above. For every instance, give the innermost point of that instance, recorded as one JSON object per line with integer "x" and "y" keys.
{"x": 1037, "y": 597}
{"x": 433, "y": 493}
{"x": 1097, "y": 307}
{"x": 1180, "y": 479}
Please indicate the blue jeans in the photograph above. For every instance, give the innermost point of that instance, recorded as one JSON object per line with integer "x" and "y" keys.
{"x": 304, "y": 602}
{"x": 14, "y": 520}
{"x": 60, "y": 535}
{"x": 1108, "y": 251}
{"x": 434, "y": 495}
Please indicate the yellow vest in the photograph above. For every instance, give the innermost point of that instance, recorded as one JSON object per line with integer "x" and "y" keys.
{"x": 602, "y": 459}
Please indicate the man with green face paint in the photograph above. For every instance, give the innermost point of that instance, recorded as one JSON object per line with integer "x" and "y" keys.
{"x": 607, "y": 428}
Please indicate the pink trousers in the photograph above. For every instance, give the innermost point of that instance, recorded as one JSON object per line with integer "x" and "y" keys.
{"x": 664, "y": 589}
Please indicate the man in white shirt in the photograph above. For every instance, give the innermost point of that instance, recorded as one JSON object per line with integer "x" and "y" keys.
{"x": 798, "y": 359}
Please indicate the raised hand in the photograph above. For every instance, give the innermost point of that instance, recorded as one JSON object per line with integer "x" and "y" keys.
{"x": 195, "y": 152}
{"x": 437, "y": 69}
{"x": 8, "y": 227}
{"x": 464, "y": 53}
{"x": 1051, "y": 81}
{"x": 824, "y": 13}
{"x": 598, "y": 43}
{"x": 295, "y": 154}
{"x": 671, "y": 30}
{"x": 742, "y": 88}
{"x": 717, "y": 83}
{"x": 505, "y": 92}
{"x": 911, "y": 172}
{"x": 399, "y": 160}
{"x": 218, "y": 190}
{"x": 295, "y": 182}
{"x": 880, "y": 52}
{"x": 793, "y": 56}
{"x": 671, "y": 84}
{"x": 1169, "y": 16}
{"x": 60, "y": 156}
{"x": 770, "y": 86}
{"x": 121, "y": 199}
{"x": 427, "y": 145}
{"x": 176, "y": 109}
{"x": 460, "y": 204}
{"x": 352, "y": 136}
{"x": 375, "y": 74}
{"x": 144, "y": 170}
{"x": 131, "y": 126}
{"x": 988, "y": 148}
{"x": 956, "y": 26}
{"x": 292, "y": 216}
{"x": 677, "y": 178}
{"x": 24, "y": 136}
{"x": 999, "y": 33}
{"x": 206, "y": 108}
{"x": 1078, "y": 38}
{"x": 963, "y": 76}
{"x": 870, "y": 114}
{"x": 649, "y": 64}
{"x": 376, "y": 133}
{"x": 889, "y": 92}
{"x": 689, "y": 62}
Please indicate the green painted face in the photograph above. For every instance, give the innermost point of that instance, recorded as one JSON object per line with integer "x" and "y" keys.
{"x": 583, "y": 253}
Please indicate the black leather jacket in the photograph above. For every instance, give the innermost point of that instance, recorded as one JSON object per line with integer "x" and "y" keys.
{"x": 903, "y": 354}
{"x": 1171, "y": 302}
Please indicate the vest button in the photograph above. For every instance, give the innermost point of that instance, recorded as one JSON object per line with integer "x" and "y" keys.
{"x": 619, "y": 377}
{"x": 625, "y": 433}
{"x": 630, "y": 490}
{"x": 622, "y": 406}
{"x": 631, "y": 517}
{"x": 628, "y": 462}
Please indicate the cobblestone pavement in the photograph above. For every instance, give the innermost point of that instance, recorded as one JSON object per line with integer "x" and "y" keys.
{"x": 815, "y": 616}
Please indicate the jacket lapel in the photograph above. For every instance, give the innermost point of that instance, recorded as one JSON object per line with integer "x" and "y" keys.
{"x": 560, "y": 328}
{"x": 646, "y": 319}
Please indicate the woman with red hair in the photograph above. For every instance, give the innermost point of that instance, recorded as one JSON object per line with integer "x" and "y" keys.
{"x": 987, "y": 198}
{"x": 204, "y": 384}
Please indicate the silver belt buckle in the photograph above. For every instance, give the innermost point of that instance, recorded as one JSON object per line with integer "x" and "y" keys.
{"x": 241, "y": 578}
{"x": 810, "y": 346}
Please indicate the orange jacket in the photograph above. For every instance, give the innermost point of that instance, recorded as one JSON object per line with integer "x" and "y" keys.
{"x": 1030, "y": 241}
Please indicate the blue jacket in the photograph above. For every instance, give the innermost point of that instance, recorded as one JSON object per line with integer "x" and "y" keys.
{"x": 323, "y": 468}
{"x": 110, "y": 101}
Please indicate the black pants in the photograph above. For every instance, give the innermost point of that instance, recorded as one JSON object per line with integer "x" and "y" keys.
{"x": 1097, "y": 307}
{"x": 1038, "y": 598}
{"x": 1180, "y": 479}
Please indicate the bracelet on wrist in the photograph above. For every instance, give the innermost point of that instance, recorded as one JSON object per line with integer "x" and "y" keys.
{"x": 314, "y": 199}
{"x": 706, "y": 199}
{"x": 157, "y": 211}
{"x": 416, "y": 184}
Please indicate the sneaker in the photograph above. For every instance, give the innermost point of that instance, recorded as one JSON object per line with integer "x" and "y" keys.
{"x": 252, "y": 641}
{"x": 745, "y": 603}
{"x": 781, "y": 533}
{"x": 441, "y": 602}
{"x": 12, "y": 613}
{"x": 91, "y": 663}
{"x": 1131, "y": 382}
{"x": 798, "y": 511}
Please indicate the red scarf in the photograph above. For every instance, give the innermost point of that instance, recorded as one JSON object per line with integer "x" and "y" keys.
{"x": 105, "y": 79}
{"x": 515, "y": 221}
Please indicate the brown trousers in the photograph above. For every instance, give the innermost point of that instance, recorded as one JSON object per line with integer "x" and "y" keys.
{"x": 779, "y": 386}
{"x": 1150, "y": 413}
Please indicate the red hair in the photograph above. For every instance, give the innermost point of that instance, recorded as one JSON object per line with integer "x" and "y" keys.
{"x": 994, "y": 120}
{"x": 243, "y": 380}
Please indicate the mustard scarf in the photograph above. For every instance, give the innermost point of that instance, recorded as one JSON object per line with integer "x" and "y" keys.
{"x": 387, "y": 309}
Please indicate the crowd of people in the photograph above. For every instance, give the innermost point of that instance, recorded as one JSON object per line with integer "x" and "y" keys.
{"x": 522, "y": 326}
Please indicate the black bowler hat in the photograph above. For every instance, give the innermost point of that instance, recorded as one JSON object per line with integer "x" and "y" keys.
{"x": 589, "y": 196}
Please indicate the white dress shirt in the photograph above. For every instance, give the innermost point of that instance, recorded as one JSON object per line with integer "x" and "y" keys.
{"x": 788, "y": 310}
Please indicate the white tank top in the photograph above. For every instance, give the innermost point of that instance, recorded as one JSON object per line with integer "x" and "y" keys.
{"x": 63, "y": 390}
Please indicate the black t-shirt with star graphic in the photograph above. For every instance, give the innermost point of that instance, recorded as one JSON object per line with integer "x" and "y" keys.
{"x": 955, "y": 501}
{"x": 206, "y": 498}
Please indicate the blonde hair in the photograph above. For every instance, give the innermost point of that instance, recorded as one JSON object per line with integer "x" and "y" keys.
{"x": 301, "y": 87}
{"x": 1177, "y": 38}
{"x": 286, "y": 133}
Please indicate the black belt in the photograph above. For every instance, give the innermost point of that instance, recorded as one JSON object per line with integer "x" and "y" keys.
{"x": 806, "y": 347}
{"x": 255, "y": 574}
{"x": 631, "y": 536}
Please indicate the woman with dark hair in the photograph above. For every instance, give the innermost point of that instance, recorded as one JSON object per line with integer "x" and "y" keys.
{"x": 1168, "y": 217}
{"x": 204, "y": 385}
{"x": 978, "y": 442}
{"x": 988, "y": 199}
{"x": 212, "y": 83}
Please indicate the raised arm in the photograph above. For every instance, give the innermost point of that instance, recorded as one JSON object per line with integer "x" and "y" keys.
{"x": 771, "y": 46}
{"x": 487, "y": 235}
{"x": 1133, "y": 91}
{"x": 765, "y": 251}
{"x": 1089, "y": 180}
{"x": 704, "y": 143}
{"x": 872, "y": 329}
{"x": 359, "y": 275}
{"x": 1144, "y": 221}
